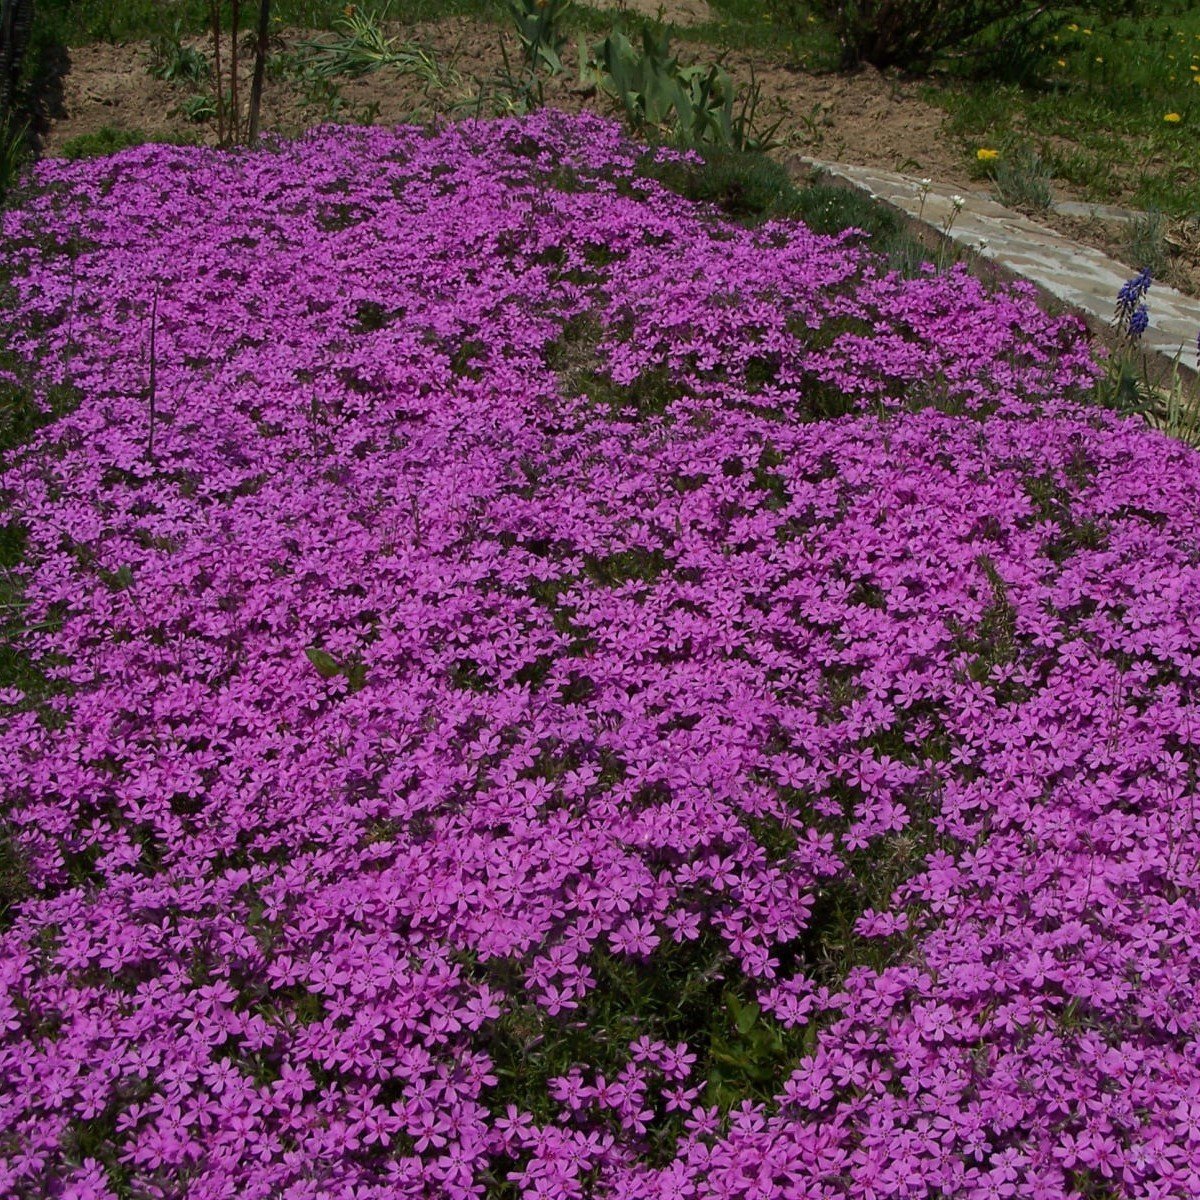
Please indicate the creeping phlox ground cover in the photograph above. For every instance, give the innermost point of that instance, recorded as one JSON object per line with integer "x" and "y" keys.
{"x": 551, "y": 692}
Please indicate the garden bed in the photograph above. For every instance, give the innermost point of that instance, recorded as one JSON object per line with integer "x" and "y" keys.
{"x": 532, "y": 686}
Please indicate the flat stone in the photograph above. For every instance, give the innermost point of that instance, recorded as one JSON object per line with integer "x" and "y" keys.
{"x": 1101, "y": 212}
{"x": 1080, "y": 276}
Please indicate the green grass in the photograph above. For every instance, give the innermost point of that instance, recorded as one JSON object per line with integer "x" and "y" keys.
{"x": 1096, "y": 110}
{"x": 777, "y": 27}
{"x": 106, "y": 140}
{"x": 754, "y": 188}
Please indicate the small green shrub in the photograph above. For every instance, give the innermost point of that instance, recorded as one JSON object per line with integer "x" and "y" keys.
{"x": 198, "y": 108}
{"x": 695, "y": 106}
{"x": 539, "y": 25}
{"x": 14, "y": 153}
{"x": 1022, "y": 179}
{"x": 361, "y": 46}
{"x": 1146, "y": 243}
{"x": 754, "y": 188}
{"x": 173, "y": 62}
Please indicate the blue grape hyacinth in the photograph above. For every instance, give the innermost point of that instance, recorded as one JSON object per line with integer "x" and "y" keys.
{"x": 1133, "y": 314}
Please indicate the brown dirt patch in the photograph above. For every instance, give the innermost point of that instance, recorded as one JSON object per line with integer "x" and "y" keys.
{"x": 670, "y": 12}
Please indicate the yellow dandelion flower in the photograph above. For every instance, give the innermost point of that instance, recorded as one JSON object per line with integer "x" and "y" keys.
{"x": 986, "y": 155}
{"x": 1073, "y": 28}
{"x": 1173, "y": 118}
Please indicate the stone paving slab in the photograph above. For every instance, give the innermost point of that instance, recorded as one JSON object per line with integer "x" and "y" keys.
{"x": 1080, "y": 276}
{"x": 1102, "y": 212}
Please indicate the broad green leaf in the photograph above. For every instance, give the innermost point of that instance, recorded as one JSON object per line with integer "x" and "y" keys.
{"x": 327, "y": 666}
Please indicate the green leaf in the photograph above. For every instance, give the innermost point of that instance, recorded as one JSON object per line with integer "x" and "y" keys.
{"x": 327, "y": 666}
{"x": 744, "y": 1015}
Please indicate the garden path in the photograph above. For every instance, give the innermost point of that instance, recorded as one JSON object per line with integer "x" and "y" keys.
{"x": 1078, "y": 275}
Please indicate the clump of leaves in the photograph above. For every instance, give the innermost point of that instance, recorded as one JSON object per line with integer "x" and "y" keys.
{"x": 693, "y": 106}
{"x": 1146, "y": 242}
{"x": 198, "y": 108}
{"x": 173, "y": 62}
{"x": 539, "y": 25}
{"x": 1022, "y": 179}
{"x": 361, "y": 46}
{"x": 14, "y": 152}
{"x": 329, "y": 667}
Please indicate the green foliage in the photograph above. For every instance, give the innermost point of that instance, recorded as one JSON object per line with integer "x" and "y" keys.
{"x": 14, "y": 153}
{"x": 106, "y": 140}
{"x": 994, "y": 641}
{"x": 681, "y": 993}
{"x": 916, "y": 34}
{"x": 198, "y": 108}
{"x": 693, "y": 106}
{"x": 749, "y": 1054}
{"x": 1180, "y": 417}
{"x": 1171, "y": 404}
{"x": 14, "y": 876}
{"x": 1096, "y": 104}
{"x": 539, "y": 25}
{"x": 753, "y": 188}
{"x": 361, "y": 46}
{"x": 1014, "y": 51}
{"x": 1146, "y": 243}
{"x": 78, "y": 22}
{"x": 1022, "y": 180}
{"x": 173, "y": 62}
{"x": 329, "y": 667}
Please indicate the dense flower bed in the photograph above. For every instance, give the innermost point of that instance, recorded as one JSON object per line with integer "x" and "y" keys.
{"x": 558, "y": 694}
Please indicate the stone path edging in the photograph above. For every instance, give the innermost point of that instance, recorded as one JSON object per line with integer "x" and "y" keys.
{"x": 1079, "y": 276}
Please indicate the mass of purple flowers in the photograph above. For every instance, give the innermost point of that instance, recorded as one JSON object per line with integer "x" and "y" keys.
{"x": 555, "y": 693}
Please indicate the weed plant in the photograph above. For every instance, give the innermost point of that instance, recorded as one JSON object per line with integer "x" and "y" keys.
{"x": 1146, "y": 242}
{"x": 1022, "y": 180}
{"x": 173, "y": 62}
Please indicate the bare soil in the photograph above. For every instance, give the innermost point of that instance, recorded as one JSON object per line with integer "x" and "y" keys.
{"x": 671, "y": 12}
{"x": 865, "y": 118}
